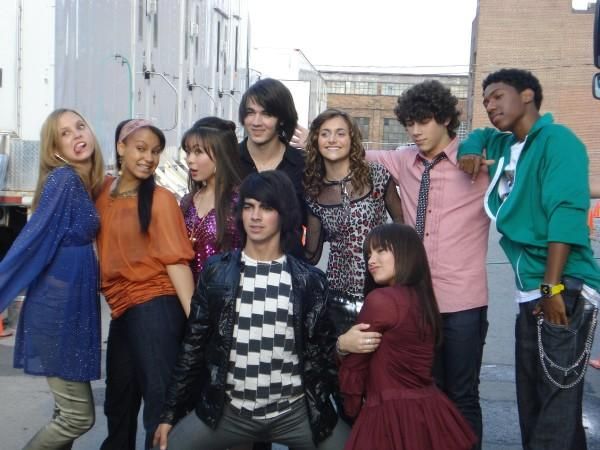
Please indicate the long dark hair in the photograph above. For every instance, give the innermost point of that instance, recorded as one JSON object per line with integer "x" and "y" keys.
{"x": 146, "y": 187}
{"x": 274, "y": 189}
{"x": 412, "y": 269}
{"x": 219, "y": 139}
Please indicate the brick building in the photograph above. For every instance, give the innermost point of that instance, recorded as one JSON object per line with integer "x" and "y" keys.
{"x": 371, "y": 97}
{"x": 552, "y": 40}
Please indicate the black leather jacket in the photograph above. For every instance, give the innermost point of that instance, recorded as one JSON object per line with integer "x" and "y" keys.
{"x": 204, "y": 358}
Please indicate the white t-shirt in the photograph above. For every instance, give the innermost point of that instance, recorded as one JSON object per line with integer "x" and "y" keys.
{"x": 506, "y": 182}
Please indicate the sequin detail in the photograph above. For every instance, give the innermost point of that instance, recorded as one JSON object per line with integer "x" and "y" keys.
{"x": 203, "y": 234}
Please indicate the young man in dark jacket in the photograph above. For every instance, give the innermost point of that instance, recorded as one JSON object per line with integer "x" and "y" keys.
{"x": 269, "y": 117}
{"x": 259, "y": 345}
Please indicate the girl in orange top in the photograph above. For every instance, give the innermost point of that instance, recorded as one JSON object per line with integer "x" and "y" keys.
{"x": 144, "y": 258}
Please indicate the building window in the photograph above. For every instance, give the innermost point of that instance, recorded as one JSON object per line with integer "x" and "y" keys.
{"x": 394, "y": 89}
{"x": 459, "y": 91}
{"x": 363, "y": 126}
{"x": 394, "y": 132}
{"x": 336, "y": 87}
{"x": 462, "y": 131}
{"x": 361, "y": 88}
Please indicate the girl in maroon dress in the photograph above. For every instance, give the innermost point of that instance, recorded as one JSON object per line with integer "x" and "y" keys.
{"x": 392, "y": 390}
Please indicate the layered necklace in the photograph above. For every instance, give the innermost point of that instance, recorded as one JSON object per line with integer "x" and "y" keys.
{"x": 114, "y": 193}
{"x": 343, "y": 184}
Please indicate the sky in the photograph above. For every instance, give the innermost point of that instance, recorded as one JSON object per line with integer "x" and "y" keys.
{"x": 416, "y": 35}
{"x": 381, "y": 33}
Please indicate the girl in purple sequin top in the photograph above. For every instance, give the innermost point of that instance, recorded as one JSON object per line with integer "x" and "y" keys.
{"x": 212, "y": 157}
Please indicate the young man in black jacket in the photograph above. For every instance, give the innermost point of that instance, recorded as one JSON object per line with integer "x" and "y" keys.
{"x": 269, "y": 117}
{"x": 259, "y": 345}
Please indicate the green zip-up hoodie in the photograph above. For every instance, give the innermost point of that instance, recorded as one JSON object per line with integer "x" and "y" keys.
{"x": 548, "y": 202}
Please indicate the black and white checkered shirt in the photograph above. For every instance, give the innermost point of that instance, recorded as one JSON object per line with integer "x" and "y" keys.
{"x": 264, "y": 372}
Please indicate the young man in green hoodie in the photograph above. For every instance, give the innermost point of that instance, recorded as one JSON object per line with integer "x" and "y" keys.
{"x": 539, "y": 197}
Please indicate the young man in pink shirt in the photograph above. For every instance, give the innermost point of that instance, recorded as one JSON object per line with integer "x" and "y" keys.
{"x": 446, "y": 208}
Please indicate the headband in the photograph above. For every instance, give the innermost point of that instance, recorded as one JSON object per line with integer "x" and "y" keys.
{"x": 133, "y": 125}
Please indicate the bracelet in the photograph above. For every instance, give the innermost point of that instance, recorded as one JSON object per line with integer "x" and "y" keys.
{"x": 338, "y": 350}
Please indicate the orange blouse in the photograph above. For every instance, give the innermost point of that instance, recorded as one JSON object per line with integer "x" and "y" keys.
{"x": 133, "y": 264}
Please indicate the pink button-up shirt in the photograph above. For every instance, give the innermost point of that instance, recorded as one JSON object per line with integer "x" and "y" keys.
{"x": 456, "y": 226}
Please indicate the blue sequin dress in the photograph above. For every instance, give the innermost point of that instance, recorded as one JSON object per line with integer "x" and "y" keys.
{"x": 59, "y": 327}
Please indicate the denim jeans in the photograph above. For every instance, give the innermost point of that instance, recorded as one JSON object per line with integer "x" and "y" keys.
{"x": 550, "y": 417}
{"x": 143, "y": 345}
{"x": 291, "y": 429}
{"x": 457, "y": 362}
{"x": 74, "y": 414}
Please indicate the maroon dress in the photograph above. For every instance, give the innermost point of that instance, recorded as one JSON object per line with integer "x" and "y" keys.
{"x": 393, "y": 390}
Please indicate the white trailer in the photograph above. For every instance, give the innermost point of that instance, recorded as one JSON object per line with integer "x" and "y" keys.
{"x": 170, "y": 61}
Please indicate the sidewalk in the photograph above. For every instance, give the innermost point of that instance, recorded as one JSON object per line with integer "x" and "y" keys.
{"x": 25, "y": 402}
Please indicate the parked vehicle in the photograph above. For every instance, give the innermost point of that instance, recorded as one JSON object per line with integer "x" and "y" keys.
{"x": 170, "y": 61}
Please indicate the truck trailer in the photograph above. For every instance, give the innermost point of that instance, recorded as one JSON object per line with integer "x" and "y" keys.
{"x": 169, "y": 61}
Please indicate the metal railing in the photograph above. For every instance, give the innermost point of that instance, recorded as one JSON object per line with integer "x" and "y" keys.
{"x": 368, "y": 145}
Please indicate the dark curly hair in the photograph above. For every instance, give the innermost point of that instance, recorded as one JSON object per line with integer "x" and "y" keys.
{"x": 314, "y": 173}
{"x": 426, "y": 100}
{"x": 519, "y": 79}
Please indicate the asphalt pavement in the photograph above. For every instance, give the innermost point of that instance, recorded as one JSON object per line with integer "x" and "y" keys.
{"x": 26, "y": 404}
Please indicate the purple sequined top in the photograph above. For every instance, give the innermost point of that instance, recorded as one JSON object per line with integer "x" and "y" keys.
{"x": 203, "y": 234}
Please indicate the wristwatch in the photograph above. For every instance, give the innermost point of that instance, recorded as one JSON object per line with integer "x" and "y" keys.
{"x": 550, "y": 290}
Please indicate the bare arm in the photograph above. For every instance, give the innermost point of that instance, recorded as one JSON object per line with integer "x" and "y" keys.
{"x": 359, "y": 339}
{"x": 393, "y": 203}
{"x": 183, "y": 282}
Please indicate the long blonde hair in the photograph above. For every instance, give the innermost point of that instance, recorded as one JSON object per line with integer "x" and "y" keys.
{"x": 50, "y": 158}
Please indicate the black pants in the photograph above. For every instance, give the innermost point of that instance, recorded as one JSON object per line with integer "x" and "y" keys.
{"x": 457, "y": 363}
{"x": 143, "y": 345}
{"x": 550, "y": 417}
